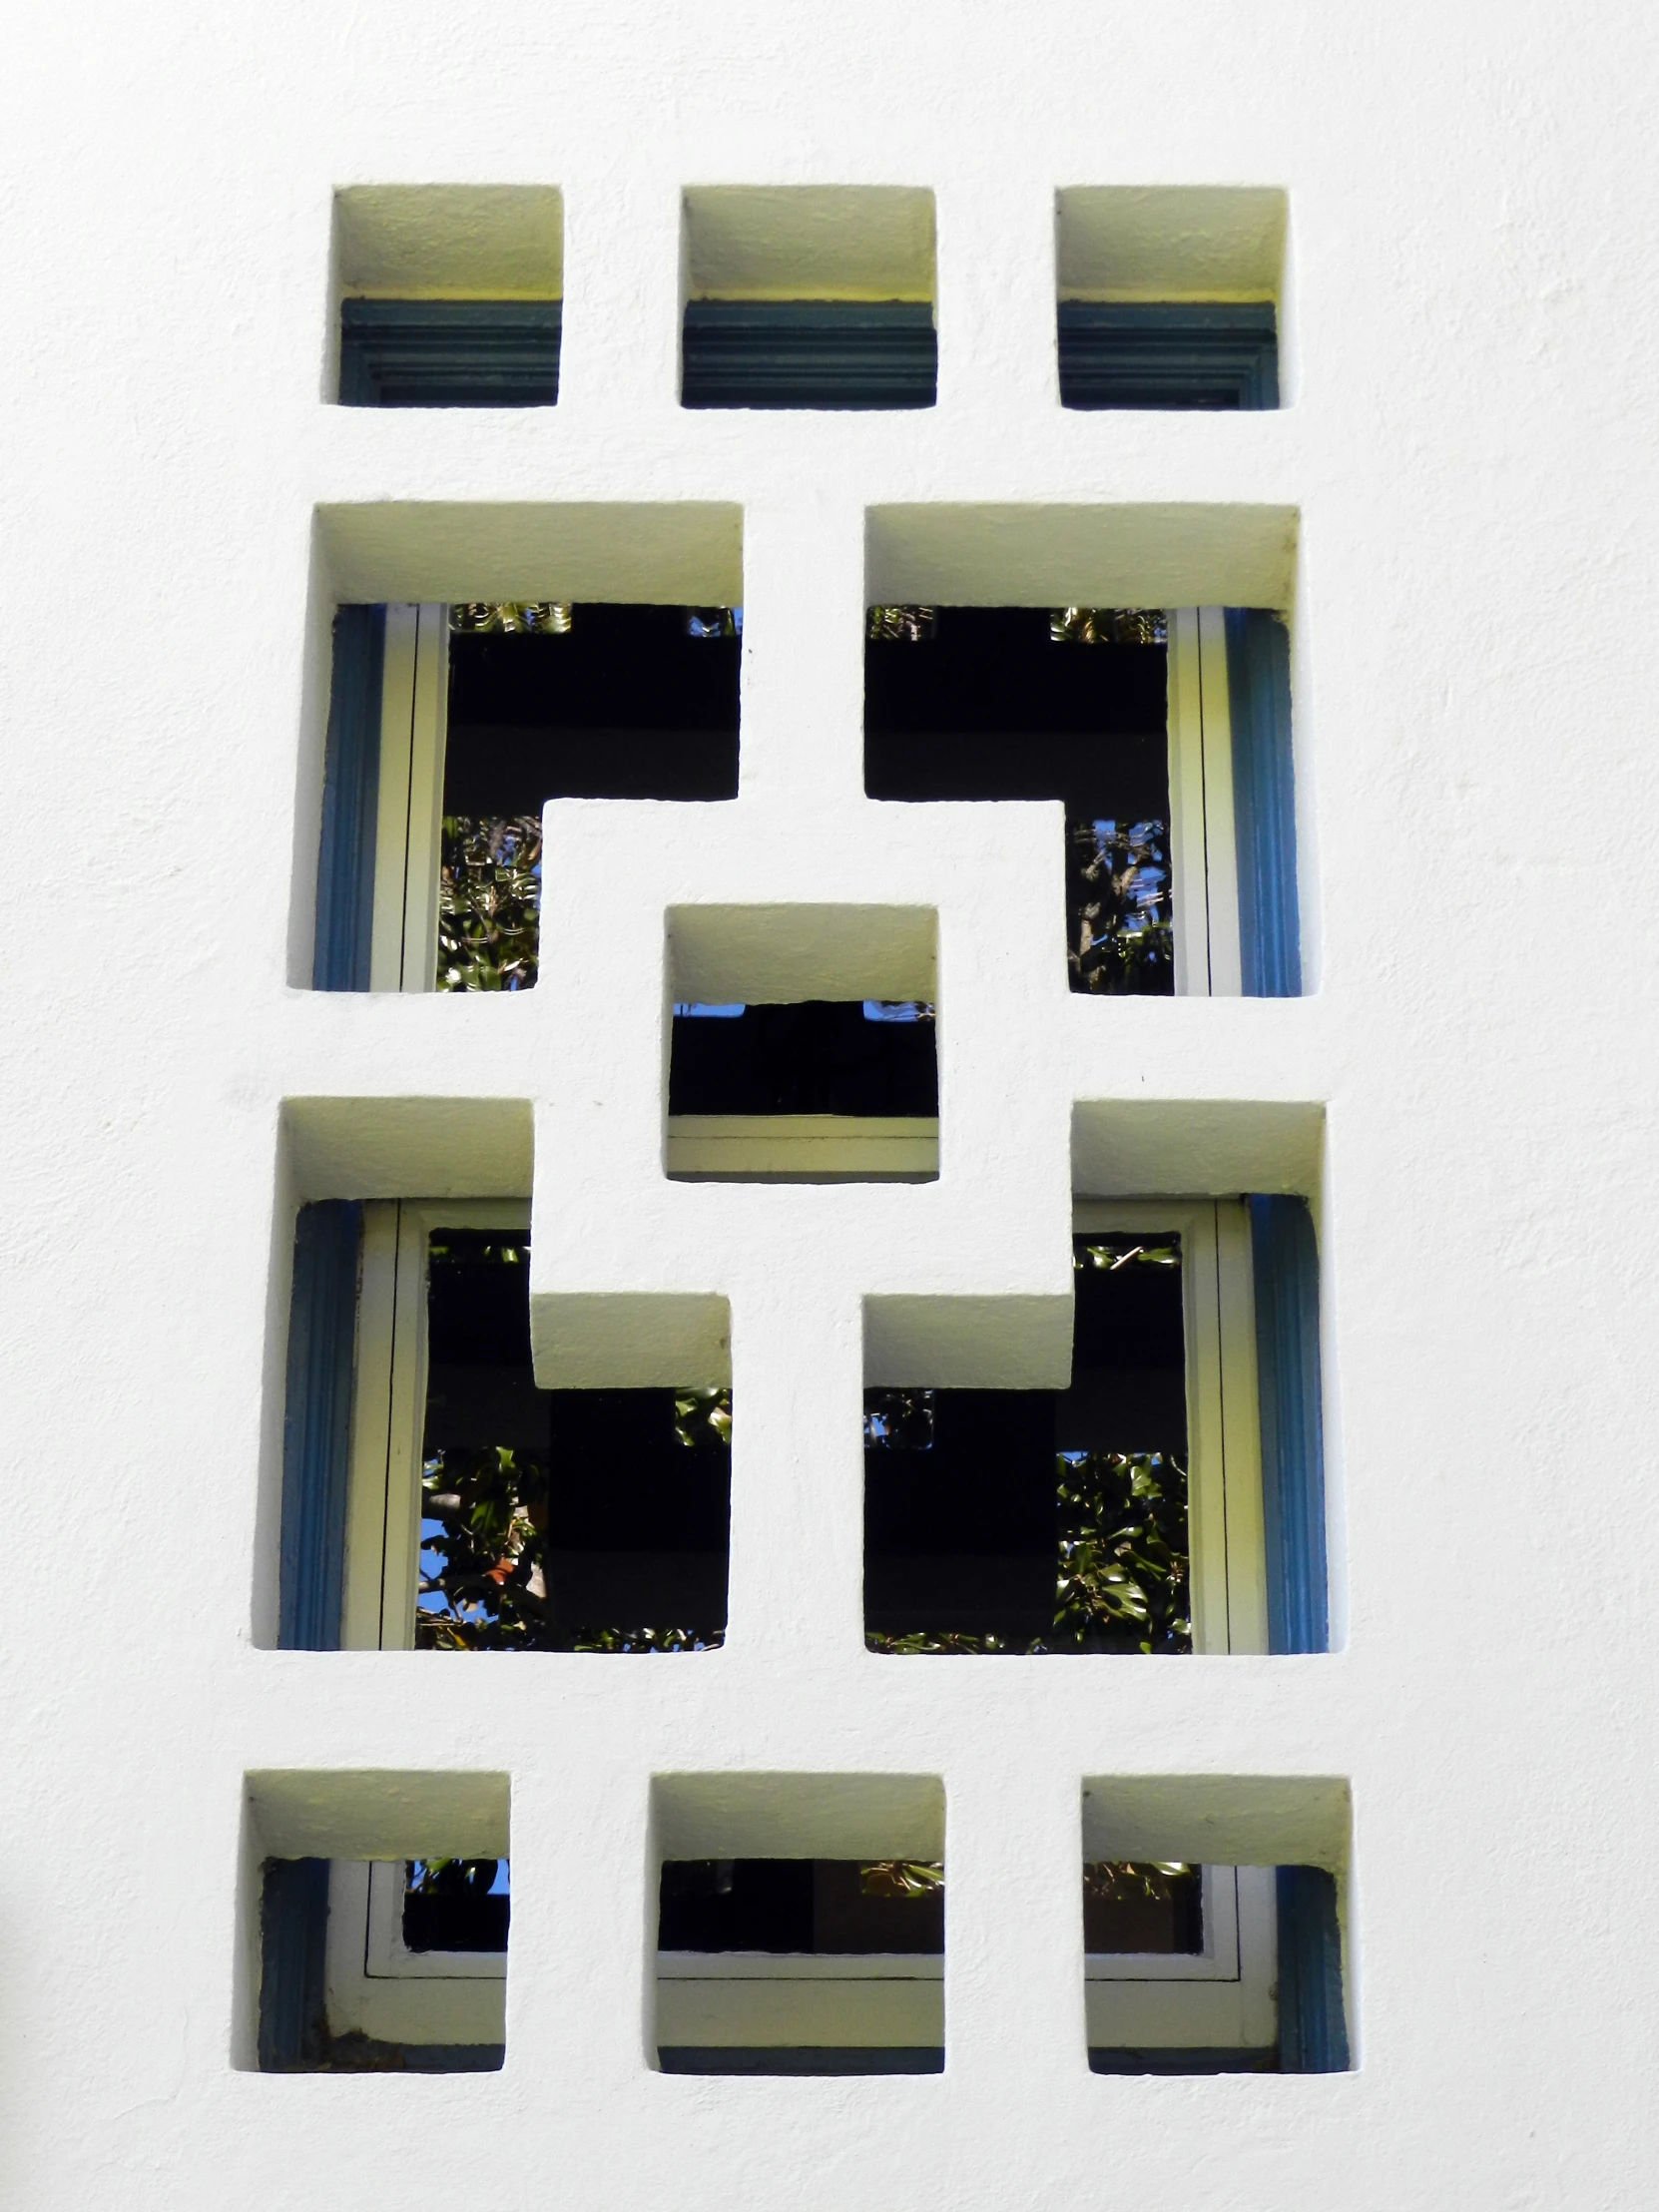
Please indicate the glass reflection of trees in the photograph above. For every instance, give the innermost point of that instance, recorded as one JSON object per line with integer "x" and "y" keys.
{"x": 489, "y": 902}
{"x": 1120, "y": 915}
{"x": 483, "y": 1574}
{"x": 1122, "y": 1526}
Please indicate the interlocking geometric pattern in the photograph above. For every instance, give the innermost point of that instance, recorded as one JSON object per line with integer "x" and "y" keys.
{"x": 800, "y": 1296}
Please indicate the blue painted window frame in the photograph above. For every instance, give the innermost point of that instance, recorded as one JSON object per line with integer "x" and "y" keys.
{"x": 1204, "y": 354}
{"x": 809, "y": 353}
{"x": 294, "y": 1965}
{"x": 1285, "y": 1261}
{"x": 450, "y": 353}
{"x": 1313, "y": 2022}
{"x": 1263, "y": 803}
{"x": 316, "y": 1430}
{"x": 1312, "y": 2019}
{"x": 344, "y": 934}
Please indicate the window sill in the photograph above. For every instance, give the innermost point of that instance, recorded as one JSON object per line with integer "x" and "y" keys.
{"x": 801, "y": 1148}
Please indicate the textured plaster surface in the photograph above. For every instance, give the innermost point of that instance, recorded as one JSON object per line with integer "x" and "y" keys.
{"x": 1458, "y": 511}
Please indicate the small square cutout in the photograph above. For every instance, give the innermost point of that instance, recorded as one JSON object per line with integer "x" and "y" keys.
{"x": 1168, "y": 298}
{"x": 381, "y": 1911}
{"x": 776, "y": 1070}
{"x": 1208, "y": 1949}
{"x": 450, "y": 296}
{"x": 809, "y": 296}
{"x": 791, "y": 1940}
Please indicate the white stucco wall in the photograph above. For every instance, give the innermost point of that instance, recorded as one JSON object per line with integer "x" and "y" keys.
{"x": 1458, "y": 510}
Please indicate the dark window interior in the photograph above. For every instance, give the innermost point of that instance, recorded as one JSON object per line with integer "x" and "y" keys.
{"x": 456, "y": 1904}
{"x": 449, "y": 352}
{"x": 1209, "y": 354}
{"x": 1043, "y": 1520}
{"x": 837, "y": 1906}
{"x": 1137, "y": 1907}
{"x": 820, "y": 1056}
{"x": 988, "y": 703}
{"x": 809, "y": 353}
{"x": 588, "y": 701}
{"x": 558, "y": 1520}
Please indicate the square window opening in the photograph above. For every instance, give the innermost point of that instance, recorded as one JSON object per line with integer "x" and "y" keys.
{"x": 815, "y": 1087}
{"x": 1120, "y": 1515}
{"x": 448, "y": 1503}
{"x": 1168, "y": 298}
{"x": 449, "y": 295}
{"x": 828, "y": 1963}
{"x": 808, "y": 298}
{"x": 1231, "y": 1966}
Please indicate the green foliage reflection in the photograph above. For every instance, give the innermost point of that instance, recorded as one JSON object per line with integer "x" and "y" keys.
{"x": 489, "y": 902}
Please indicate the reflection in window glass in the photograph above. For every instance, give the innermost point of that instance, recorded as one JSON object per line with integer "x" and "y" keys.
{"x": 1043, "y": 1520}
{"x": 841, "y": 1907}
{"x": 456, "y": 1904}
{"x": 1120, "y": 914}
{"x": 1136, "y": 1906}
{"x": 553, "y": 701}
{"x": 489, "y": 901}
{"x": 558, "y": 1520}
{"x": 1069, "y": 703}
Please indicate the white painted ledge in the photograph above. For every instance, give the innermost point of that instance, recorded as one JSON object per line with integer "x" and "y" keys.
{"x": 803, "y": 1148}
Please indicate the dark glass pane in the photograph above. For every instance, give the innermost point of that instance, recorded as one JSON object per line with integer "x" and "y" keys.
{"x": 898, "y": 1421}
{"x": 628, "y": 703}
{"x": 986, "y": 703}
{"x": 809, "y": 353}
{"x": 894, "y": 1906}
{"x": 589, "y": 701}
{"x": 456, "y": 1904}
{"x": 840, "y": 1906}
{"x": 449, "y": 352}
{"x": 820, "y": 1056}
{"x": 1138, "y": 1907}
{"x": 959, "y": 1532}
{"x": 558, "y": 1520}
{"x": 1206, "y": 354}
{"x": 1043, "y": 1520}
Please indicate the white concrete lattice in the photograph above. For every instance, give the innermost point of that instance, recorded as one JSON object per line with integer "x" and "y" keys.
{"x": 801, "y": 1295}
{"x": 1457, "y": 505}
